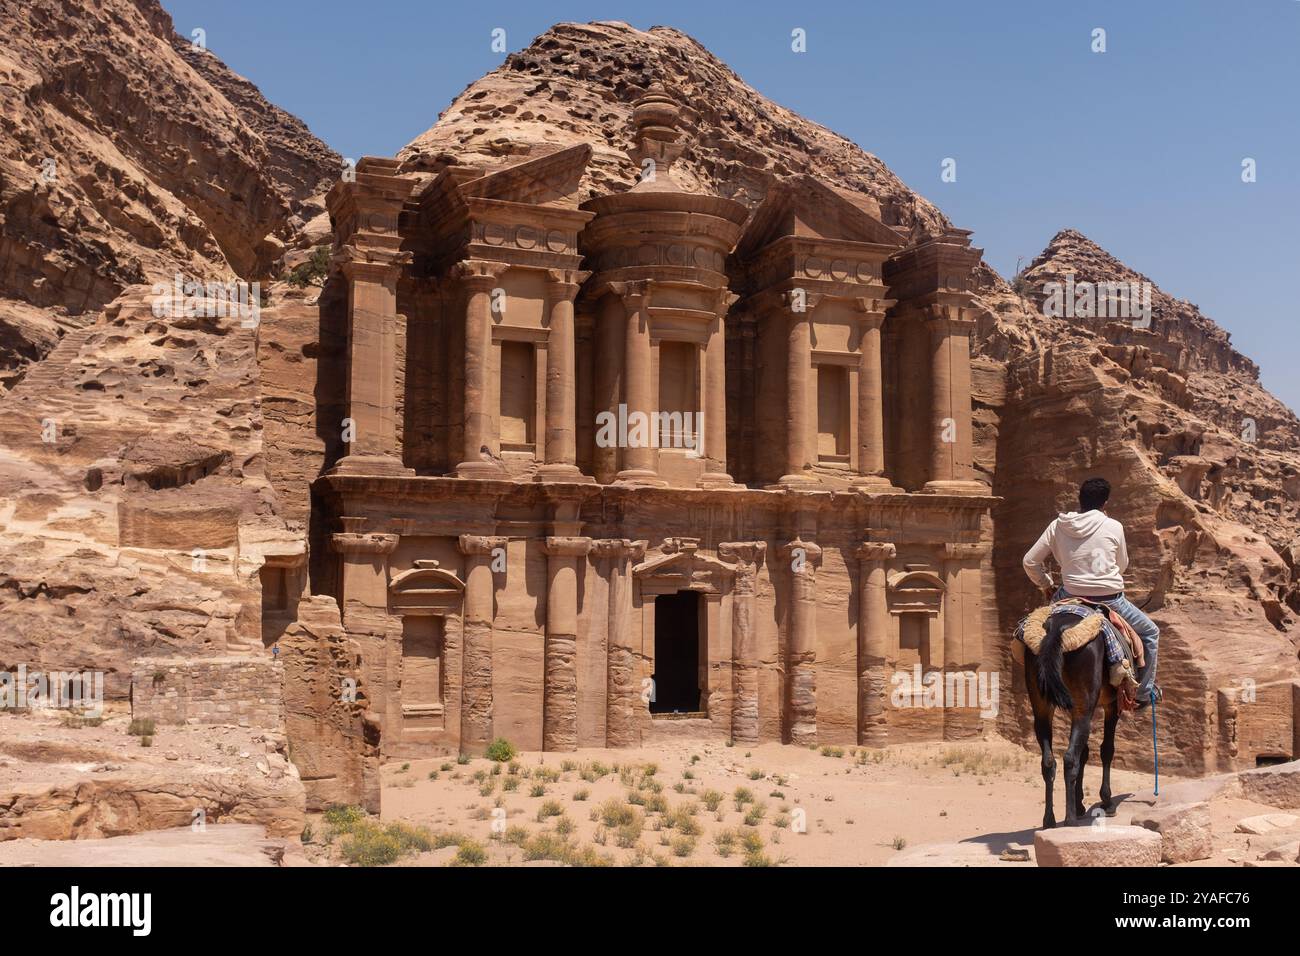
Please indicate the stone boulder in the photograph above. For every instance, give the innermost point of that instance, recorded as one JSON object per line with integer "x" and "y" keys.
{"x": 1097, "y": 846}
{"x": 1275, "y": 786}
{"x": 1185, "y": 832}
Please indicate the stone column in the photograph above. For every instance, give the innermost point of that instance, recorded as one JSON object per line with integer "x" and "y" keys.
{"x": 804, "y": 558}
{"x": 561, "y": 450}
{"x": 798, "y": 397}
{"x": 951, "y": 463}
{"x": 372, "y": 363}
{"x": 611, "y": 321}
{"x": 714, "y": 436}
{"x": 871, "y": 406}
{"x": 873, "y": 642}
{"x": 639, "y": 385}
{"x": 962, "y": 646}
{"x": 560, "y": 688}
{"x": 478, "y": 279}
{"x": 476, "y": 642}
{"x": 748, "y": 555}
{"x": 622, "y": 695}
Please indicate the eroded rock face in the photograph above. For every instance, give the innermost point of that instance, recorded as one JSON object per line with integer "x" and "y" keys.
{"x": 136, "y": 514}
{"x": 1158, "y": 413}
{"x": 126, "y": 156}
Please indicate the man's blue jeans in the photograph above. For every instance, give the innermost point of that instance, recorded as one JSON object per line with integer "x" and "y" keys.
{"x": 1146, "y": 631}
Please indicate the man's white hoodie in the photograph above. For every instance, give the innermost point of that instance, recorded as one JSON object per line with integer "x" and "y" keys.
{"x": 1090, "y": 549}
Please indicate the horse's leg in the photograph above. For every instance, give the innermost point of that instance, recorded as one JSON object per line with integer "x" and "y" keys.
{"x": 1043, "y": 731}
{"x": 1079, "y": 808}
{"x": 1079, "y": 727}
{"x": 1111, "y": 705}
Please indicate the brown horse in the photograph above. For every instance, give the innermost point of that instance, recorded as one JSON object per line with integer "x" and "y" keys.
{"x": 1074, "y": 682}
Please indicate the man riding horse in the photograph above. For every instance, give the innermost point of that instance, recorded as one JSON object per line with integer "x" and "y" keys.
{"x": 1090, "y": 549}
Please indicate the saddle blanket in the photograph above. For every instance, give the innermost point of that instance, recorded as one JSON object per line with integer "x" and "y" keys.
{"x": 1033, "y": 627}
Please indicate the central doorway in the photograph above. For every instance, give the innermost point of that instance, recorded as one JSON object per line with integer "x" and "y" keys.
{"x": 677, "y": 654}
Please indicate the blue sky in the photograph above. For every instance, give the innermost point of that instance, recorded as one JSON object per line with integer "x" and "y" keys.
{"x": 1139, "y": 147}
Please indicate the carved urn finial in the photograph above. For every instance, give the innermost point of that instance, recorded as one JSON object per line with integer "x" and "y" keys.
{"x": 657, "y": 140}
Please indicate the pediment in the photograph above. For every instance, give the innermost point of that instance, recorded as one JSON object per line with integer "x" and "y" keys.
{"x": 804, "y": 207}
{"x": 683, "y": 567}
{"x": 548, "y": 180}
{"x": 425, "y": 589}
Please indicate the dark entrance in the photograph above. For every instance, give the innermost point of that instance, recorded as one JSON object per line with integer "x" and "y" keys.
{"x": 677, "y": 653}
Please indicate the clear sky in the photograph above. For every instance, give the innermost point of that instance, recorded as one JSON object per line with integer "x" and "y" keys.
{"x": 1139, "y": 147}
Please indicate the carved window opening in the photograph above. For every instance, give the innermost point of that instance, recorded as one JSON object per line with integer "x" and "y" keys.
{"x": 423, "y": 598}
{"x": 679, "y": 394}
{"x": 518, "y": 397}
{"x": 833, "y": 415}
{"x": 422, "y": 665}
{"x": 678, "y": 653}
{"x": 914, "y": 641}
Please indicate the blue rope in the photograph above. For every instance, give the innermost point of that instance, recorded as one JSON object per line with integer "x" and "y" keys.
{"x": 1155, "y": 753}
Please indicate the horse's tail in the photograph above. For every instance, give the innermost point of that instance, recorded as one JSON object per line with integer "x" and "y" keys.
{"x": 1050, "y": 659}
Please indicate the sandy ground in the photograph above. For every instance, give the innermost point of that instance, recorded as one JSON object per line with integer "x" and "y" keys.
{"x": 921, "y": 804}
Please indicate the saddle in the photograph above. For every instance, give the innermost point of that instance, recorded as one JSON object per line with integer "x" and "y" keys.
{"x": 1124, "y": 653}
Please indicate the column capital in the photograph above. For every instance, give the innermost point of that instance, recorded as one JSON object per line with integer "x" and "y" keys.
{"x": 876, "y": 551}
{"x": 639, "y": 289}
{"x": 748, "y": 554}
{"x": 479, "y": 543}
{"x": 363, "y": 263}
{"x": 944, "y": 320}
{"x": 348, "y": 542}
{"x": 564, "y": 546}
{"x": 563, "y": 284}
{"x": 619, "y": 548}
{"x": 478, "y": 274}
{"x": 812, "y": 553}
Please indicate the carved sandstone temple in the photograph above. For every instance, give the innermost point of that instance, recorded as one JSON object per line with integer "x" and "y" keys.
{"x": 653, "y": 463}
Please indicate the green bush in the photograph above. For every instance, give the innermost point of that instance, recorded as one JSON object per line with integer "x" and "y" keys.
{"x": 501, "y": 750}
{"x": 313, "y": 271}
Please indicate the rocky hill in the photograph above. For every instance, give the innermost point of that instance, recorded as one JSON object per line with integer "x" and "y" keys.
{"x": 126, "y": 156}
{"x": 176, "y": 435}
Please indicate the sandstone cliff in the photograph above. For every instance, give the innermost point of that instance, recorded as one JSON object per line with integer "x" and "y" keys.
{"x": 1209, "y": 505}
{"x": 126, "y": 156}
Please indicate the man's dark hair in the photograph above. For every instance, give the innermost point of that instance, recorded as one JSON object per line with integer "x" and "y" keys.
{"x": 1093, "y": 494}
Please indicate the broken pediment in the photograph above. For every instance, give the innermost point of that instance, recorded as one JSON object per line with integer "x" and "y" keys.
{"x": 682, "y": 567}
{"x": 551, "y": 179}
{"x": 804, "y": 207}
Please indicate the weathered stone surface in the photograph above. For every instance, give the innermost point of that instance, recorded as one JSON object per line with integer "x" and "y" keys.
{"x": 1185, "y": 833}
{"x": 224, "y": 844}
{"x": 1266, "y": 823}
{"x": 120, "y": 804}
{"x": 1276, "y": 786}
{"x": 333, "y": 743}
{"x": 128, "y": 156}
{"x": 1097, "y": 846}
{"x": 143, "y": 520}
